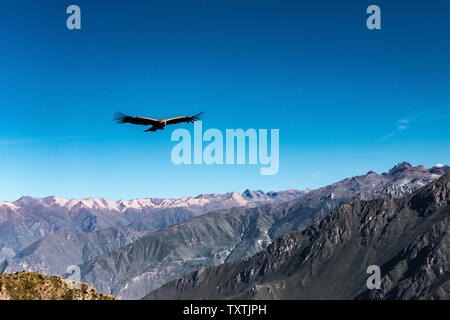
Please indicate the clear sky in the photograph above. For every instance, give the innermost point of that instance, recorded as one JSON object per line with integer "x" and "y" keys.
{"x": 345, "y": 99}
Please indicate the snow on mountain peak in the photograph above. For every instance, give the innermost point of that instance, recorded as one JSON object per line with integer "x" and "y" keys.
{"x": 206, "y": 201}
{"x": 8, "y": 205}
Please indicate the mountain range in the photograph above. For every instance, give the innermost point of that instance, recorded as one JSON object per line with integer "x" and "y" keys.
{"x": 53, "y": 254}
{"x": 27, "y": 220}
{"x": 407, "y": 238}
{"x": 230, "y": 235}
{"x": 130, "y": 248}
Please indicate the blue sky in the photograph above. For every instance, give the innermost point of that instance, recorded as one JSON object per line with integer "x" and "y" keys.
{"x": 345, "y": 99}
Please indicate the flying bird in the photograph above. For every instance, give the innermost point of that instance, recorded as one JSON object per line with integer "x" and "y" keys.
{"x": 156, "y": 124}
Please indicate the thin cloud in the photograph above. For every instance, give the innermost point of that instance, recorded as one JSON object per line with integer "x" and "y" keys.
{"x": 388, "y": 136}
{"x": 403, "y": 124}
{"x": 400, "y": 126}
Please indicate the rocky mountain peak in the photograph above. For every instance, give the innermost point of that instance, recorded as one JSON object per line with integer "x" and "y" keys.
{"x": 430, "y": 197}
{"x": 250, "y": 194}
{"x": 401, "y": 167}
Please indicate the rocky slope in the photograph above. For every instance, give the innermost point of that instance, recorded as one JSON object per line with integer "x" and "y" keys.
{"x": 56, "y": 252}
{"x": 408, "y": 238}
{"x": 30, "y": 219}
{"x": 34, "y": 286}
{"x": 230, "y": 235}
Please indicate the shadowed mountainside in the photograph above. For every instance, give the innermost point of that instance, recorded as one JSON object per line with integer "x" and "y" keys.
{"x": 230, "y": 235}
{"x": 53, "y": 254}
{"x": 409, "y": 238}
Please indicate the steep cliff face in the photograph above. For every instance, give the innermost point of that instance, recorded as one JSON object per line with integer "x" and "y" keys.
{"x": 230, "y": 235}
{"x": 408, "y": 238}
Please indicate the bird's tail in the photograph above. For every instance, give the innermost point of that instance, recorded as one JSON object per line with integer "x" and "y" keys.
{"x": 151, "y": 129}
{"x": 196, "y": 117}
{"x": 119, "y": 117}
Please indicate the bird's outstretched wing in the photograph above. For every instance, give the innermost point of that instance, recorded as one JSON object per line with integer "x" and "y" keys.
{"x": 122, "y": 118}
{"x": 187, "y": 119}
